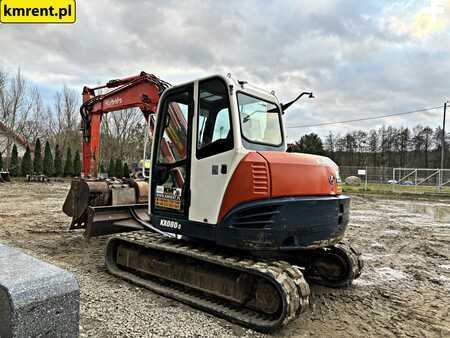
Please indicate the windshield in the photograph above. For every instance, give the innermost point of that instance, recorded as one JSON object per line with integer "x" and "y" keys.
{"x": 260, "y": 120}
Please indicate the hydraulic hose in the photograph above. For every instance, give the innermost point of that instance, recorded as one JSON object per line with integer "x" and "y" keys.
{"x": 150, "y": 227}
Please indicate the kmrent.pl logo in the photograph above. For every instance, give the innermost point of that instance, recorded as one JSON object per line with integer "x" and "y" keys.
{"x": 37, "y": 11}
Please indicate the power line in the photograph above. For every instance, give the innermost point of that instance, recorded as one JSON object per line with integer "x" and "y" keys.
{"x": 363, "y": 119}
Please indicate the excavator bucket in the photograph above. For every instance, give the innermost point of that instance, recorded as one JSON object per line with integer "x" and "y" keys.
{"x": 107, "y": 206}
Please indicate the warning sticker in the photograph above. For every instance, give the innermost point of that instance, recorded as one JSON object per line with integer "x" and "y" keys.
{"x": 167, "y": 197}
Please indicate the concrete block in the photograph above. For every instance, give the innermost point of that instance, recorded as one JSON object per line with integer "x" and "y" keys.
{"x": 37, "y": 299}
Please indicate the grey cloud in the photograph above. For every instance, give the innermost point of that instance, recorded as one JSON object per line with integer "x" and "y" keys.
{"x": 343, "y": 50}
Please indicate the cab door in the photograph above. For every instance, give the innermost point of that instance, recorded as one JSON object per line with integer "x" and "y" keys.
{"x": 214, "y": 156}
{"x": 170, "y": 179}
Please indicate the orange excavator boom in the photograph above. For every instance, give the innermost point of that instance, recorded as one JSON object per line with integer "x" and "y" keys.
{"x": 141, "y": 91}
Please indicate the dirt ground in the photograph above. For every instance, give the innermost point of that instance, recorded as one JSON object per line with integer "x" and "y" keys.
{"x": 404, "y": 289}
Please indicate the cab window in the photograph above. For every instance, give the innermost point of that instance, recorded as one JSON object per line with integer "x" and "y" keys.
{"x": 260, "y": 120}
{"x": 214, "y": 131}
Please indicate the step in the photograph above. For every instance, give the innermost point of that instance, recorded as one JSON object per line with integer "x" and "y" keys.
{"x": 37, "y": 299}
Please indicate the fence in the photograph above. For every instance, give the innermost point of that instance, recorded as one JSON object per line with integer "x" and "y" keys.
{"x": 413, "y": 180}
{"x": 377, "y": 175}
{"x": 421, "y": 180}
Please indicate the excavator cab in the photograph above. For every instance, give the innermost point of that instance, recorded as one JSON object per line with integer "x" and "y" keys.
{"x": 203, "y": 130}
{"x": 220, "y": 172}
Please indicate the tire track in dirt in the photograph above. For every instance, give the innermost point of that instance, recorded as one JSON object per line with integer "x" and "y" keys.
{"x": 404, "y": 289}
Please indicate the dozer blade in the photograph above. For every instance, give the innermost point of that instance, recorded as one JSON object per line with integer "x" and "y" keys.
{"x": 262, "y": 295}
{"x": 115, "y": 219}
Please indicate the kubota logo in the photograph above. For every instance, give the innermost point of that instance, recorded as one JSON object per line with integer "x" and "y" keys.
{"x": 331, "y": 179}
{"x": 113, "y": 102}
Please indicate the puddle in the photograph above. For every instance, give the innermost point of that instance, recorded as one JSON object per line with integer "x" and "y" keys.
{"x": 362, "y": 282}
{"x": 391, "y": 232}
{"x": 444, "y": 281}
{"x": 440, "y": 214}
{"x": 380, "y": 276}
{"x": 369, "y": 257}
{"x": 377, "y": 245}
{"x": 389, "y": 274}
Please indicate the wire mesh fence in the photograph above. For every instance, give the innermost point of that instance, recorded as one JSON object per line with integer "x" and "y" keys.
{"x": 422, "y": 180}
{"x": 378, "y": 175}
{"x": 408, "y": 180}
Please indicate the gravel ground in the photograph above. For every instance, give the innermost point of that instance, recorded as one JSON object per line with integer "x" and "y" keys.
{"x": 404, "y": 289}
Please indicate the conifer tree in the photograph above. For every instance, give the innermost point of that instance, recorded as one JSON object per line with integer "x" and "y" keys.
{"x": 14, "y": 165}
{"x": 126, "y": 170}
{"x": 118, "y": 168}
{"x": 68, "y": 164}
{"x": 48, "y": 160}
{"x": 111, "y": 167}
{"x": 37, "y": 162}
{"x": 57, "y": 164}
{"x": 77, "y": 164}
{"x": 27, "y": 164}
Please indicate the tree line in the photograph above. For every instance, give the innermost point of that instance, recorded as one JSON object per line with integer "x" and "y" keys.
{"x": 52, "y": 164}
{"x": 418, "y": 147}
{"x": 26, "y": 114}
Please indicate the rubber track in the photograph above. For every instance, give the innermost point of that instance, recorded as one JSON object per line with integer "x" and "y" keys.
{"x": 357, "y": 268}
{"x": 288, "y": 279}
{"x": 354, "y": 258}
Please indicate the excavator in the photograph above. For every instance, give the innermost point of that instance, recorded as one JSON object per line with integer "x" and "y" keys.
{"x": 227, "y": 221}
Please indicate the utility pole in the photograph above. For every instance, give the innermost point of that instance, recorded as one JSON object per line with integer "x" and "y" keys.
{"x": 443, "y": 137}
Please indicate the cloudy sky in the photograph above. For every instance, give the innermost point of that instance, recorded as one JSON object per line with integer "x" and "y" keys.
{"x": 360, "y": 58}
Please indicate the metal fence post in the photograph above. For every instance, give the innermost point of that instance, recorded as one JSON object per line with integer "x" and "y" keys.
{"x": 393, "y": 180}
{"x": 415, "y": 182}
{"x": 367, "y": 173}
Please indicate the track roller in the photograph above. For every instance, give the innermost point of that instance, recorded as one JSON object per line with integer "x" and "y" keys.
{"x": 335, "y": 266}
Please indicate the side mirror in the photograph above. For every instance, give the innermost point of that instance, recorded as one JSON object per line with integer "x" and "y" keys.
{"x": 285, "y": 106}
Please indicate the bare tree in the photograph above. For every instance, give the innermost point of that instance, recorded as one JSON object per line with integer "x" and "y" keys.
{"x": 64, "y": 124}
{"x": 374, "y": 146}
{"x": 427, "y": 144}
{"x": 390, "y": 146}
{"x": 330, "y": 144}
{"x": 404, "y": 140}
{"x": 35, "y": 125}
{"x": 3, "y": 78}
{"x": 15, "y": 106}
{"x": 122, "y": 135}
